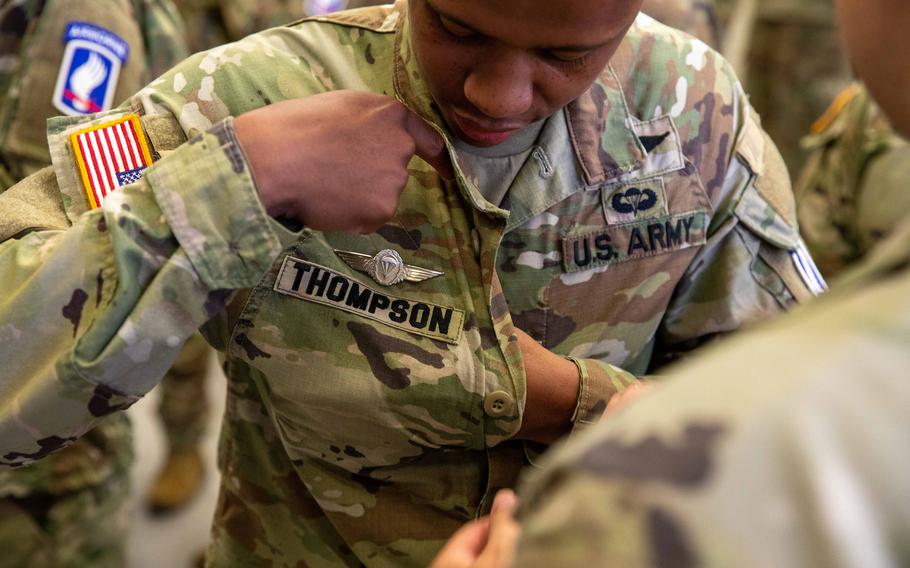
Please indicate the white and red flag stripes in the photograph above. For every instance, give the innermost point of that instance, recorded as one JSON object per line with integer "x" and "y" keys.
{"x": 110, "y": 155}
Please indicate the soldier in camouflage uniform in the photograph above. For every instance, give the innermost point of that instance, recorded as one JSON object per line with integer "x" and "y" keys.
{"x": 852, "y": 192}
{"x": 215, "y": 22}
{"x": 697, "y": 17}
{"x": 70, "y": 510}
{"x": 391, "y": 367}
{"x": 800, "y": 460}
{"x": 795, "y": 67}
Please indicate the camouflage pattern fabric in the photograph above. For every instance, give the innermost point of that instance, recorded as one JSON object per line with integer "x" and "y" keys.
{"x": 214, "y": 22}
{"x": 184, "y": 406}
{"x": 70, "y": 510}
{"x": 795, "y": 68}
{"x": 31, "y": 43}
{"x": 853, "y": 190}
{"x": 365, "y": 423}
{"x": 697, "y": 17}
{"x": 799, "y": 461}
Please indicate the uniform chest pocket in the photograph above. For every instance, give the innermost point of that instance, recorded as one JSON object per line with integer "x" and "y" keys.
{"x": 596, "y": 281}
{"x": 353, "y": 372}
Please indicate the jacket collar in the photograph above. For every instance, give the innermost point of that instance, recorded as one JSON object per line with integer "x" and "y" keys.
{"x": 599, "y": 123}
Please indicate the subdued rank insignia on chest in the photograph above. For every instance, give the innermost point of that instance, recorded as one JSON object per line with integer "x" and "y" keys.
{"x": 632, "y": 241}
{"x": 316, "y": 283}
{"x": 110, "y": 155}
{"x": 643, "y": 199}
{"x": 90, "y": 68}
{"x": 386, "y": 267}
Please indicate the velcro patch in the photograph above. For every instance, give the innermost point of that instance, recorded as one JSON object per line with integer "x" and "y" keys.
{"x": 633, "y": 241}
{"x": 110, "y": 155}
{"x": 316, "y": 283}
{"x": 644, "y": 199}
{"x": 91, "y": 65}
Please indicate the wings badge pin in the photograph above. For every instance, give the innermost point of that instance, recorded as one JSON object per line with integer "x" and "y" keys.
{"x": 386, "y": 267}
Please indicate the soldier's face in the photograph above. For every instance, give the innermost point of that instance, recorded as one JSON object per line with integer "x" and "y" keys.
{"x": 496, "y": 66}
{"x": 877, "y": 36}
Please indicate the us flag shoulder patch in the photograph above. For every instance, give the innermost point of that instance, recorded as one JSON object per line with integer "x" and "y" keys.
{"x": 110, "y": 155}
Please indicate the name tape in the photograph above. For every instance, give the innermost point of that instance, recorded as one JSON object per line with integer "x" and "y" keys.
{"x": 316, "y": 283}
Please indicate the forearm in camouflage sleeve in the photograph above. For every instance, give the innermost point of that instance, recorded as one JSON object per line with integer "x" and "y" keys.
{"x": 598, "y": 383}
{"x": 95, "y": 313}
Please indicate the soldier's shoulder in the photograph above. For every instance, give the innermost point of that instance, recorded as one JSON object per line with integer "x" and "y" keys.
{"x": 655, "y": 58}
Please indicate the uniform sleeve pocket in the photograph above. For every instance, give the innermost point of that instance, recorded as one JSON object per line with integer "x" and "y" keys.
{"x": 780, "y": 264}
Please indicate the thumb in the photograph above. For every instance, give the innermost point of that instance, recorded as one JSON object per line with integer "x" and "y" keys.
{"x": 504, "y": 532}
{"x": 429, "y": 145}
{"x": 462, "y": 550}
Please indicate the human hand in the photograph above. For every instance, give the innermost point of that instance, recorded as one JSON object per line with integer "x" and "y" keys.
{"x": 552, "y": 392}
{"x": 336, "y": 161}
{"x": 627, "y": 396}
{"x": 488, "y": 542}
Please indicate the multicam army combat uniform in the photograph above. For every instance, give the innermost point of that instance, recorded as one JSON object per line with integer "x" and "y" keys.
{"x": 795, "y": 68}
{"x": 215, "y": 22}
{"x": 697, "y": 17}
{"x": 853, "y": 190}
{"x": 365, "y": 422}
{"x": 69, "y": 510}
{"x": 800, "y": 460}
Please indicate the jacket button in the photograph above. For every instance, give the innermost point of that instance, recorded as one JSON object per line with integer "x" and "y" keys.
{"x": 498, "y": 403}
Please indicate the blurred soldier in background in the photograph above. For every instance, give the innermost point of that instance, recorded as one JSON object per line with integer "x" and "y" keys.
{"x": 792, "y": 64}
{"x": 697, "y": 17}
{"x": 214, "y": 22}
{"x": 853, "y": 190}
{"x": 72, "y": 57}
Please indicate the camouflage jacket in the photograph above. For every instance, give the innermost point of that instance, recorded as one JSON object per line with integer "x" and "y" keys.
{"x": 853, "y": 190}
{"x": 32, "y": 47}
{"x": 214, "y": 22}
{"x": 697, "y": 17}
{"x": 794, "y": 68}
{"x": 364, "y": 422}
{"x": 800, "y": 460}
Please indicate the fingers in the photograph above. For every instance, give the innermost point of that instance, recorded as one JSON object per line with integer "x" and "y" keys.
{"x": 504, "y": 504}
{"x": 462, "y": 550}
{"x": 504, "y": 532}
{"x": 630, "y": 394}
{"x": 429, "y": 145}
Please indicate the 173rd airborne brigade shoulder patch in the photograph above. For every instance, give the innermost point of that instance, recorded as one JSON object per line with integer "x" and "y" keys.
{"x": 90, "y": 68}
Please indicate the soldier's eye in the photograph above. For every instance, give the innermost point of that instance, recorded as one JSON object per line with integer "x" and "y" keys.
{"x": 569, "y": 57}
{"x": 455, "y": 28}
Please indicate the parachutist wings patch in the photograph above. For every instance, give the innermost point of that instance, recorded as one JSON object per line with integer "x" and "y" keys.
{"x": 386, "y": 267}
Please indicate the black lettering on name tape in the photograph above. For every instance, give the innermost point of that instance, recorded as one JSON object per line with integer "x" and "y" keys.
{"x": 315, "y": 283}
{"x": 631, "y": 241}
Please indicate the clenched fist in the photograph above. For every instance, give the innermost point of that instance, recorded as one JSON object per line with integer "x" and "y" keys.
{"x": 336, "y": 161}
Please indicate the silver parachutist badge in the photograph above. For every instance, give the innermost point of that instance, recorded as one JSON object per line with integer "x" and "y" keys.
{"x": 386, "y": 267}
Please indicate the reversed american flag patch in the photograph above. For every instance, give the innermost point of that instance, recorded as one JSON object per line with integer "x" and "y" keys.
{"x": 110, "y": 155}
